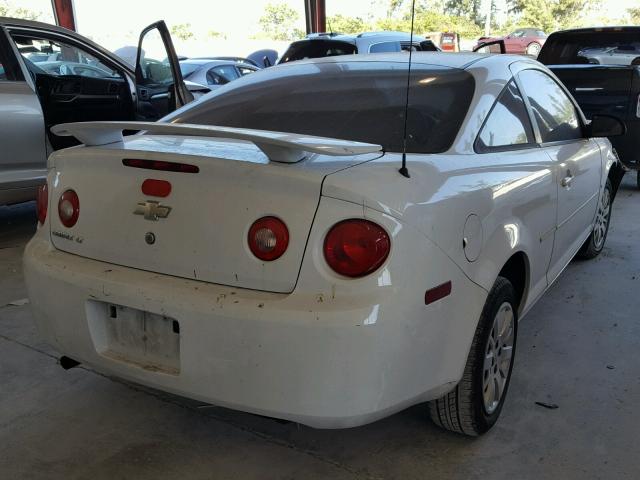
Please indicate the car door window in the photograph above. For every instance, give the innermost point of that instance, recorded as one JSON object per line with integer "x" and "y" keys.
{"x": 54, "y": 57}
{"x": 221, "y": 75}
{"x": 508, "y": 125}
{"x": 554, "y": 112}
{"x": 385, "y": 47}
{"x": 245, "y": 71}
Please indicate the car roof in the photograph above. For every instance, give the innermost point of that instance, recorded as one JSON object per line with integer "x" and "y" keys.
{"x": 627, "y": 28}
{"x": 353, "y": 38}
{"x": 444, "y": 59}
{"x": 206, "y": 61}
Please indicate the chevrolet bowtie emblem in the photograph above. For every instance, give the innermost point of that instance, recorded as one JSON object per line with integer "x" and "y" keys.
{"x": 152, "y": 210}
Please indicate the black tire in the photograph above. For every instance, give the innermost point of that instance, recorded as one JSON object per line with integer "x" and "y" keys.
{"x": 463, "y": 410}
{"x": 596, "y": 241}
{"x": 638, "y": 179}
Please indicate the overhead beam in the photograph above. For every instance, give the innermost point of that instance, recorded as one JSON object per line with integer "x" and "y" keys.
{"x": 64, "y": 13}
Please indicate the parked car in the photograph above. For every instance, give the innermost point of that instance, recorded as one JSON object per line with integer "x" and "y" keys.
{"x": 600, "y": 68}
{"x": 524, "y": 40}
{"x": 318, "y": 45}
{"x": 214, "y": 73}
{"x": 378, "y": 291}
{"x": 59, "y": 76}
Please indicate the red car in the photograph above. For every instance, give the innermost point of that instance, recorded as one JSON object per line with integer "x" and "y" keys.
{"x": 523, "y": 40}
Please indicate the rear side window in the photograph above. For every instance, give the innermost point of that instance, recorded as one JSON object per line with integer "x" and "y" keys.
{"x": 508, "y": 125}
{"x": 360, "y": 101}
{"x": 553, "y": 110}
{"x": 385, "y": 47}
{"x": 317, "y": 49}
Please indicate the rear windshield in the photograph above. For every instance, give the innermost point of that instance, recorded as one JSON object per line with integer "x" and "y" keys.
{"x": 597, "y": 48}
{"x": 359, "y": 101}
{"x": 188, "y": 68}
{"x": 317, "y": 49}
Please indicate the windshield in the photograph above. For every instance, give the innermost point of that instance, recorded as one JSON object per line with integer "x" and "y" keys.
{"x": 317, "y": 49}
{"x": 597, "y": 48}
{"x": 359, "y": 101}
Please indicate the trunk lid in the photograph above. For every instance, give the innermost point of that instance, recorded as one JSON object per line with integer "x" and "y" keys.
{"x": 204, "y": 235}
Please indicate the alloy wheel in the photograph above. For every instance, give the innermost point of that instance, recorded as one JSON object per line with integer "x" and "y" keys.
{"x": 498, "y": 357}
{"x": 602, "y": 219}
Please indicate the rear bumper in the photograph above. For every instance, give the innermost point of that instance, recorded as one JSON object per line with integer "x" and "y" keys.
{"x": 279, "y": 355}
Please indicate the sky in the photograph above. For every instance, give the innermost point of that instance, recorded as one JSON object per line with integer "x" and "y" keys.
{"x": 116, "y": 23}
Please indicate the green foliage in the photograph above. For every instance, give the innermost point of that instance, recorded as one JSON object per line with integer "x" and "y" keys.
{"x": 279, "y": 22}
{"x": 216, "y": 35}
{"x": 7, "y": 10}
{"x": 634, "y": 15}
{"x": 343, "y": 24}
{"x": 182, "y": 31}
{"x": 431, "y": 20}
{"x": 467, "y": 9}
{"x": 550, "y": 15}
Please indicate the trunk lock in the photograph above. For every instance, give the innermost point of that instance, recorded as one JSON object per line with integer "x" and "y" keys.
{"x": 150, "y": 238}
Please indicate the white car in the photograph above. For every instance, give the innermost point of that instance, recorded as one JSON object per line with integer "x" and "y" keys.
{"x": 301, "y": 275}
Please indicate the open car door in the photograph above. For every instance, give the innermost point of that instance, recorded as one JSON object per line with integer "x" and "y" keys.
{"x": 490, "y": 47}
{"x": 160, "y": 87}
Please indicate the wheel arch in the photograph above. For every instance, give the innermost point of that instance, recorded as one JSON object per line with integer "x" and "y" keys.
{"x": 516, "y": 270}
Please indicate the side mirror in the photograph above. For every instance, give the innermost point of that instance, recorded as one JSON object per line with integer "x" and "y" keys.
{"x": 605, "y": 126}
{"x": 266, "y": 62}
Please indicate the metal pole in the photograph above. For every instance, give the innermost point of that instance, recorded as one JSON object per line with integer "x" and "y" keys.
{"x": 64, "y": 13}
{"x": 487, "y": 19}
{"x": 321, "y": 16}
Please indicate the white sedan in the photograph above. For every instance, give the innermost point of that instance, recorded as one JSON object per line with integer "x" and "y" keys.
{"x": 301, "y": 275}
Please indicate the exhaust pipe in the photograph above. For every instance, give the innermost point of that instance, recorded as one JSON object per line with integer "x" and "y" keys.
{"x": 68, "y": 363}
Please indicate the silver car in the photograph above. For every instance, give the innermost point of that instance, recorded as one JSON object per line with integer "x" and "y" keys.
{"x": 51, "y": 75}
{"x": 213, "y": 72}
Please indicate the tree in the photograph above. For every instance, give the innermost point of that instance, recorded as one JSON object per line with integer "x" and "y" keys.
{"x": 343, "y": 24}
{"x": 213, "y": 34}
{"x": 469, "y": 9}
{"x": 551, "y": 15}
{"x": 7, "y": 10}
{"x": 279, "y": 22}
{"x": 634, "y": 14}
{"x": 182, "y": 31}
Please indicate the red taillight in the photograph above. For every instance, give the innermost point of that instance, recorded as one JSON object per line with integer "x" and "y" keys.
{"x": 42, "y": 203}
{"x": 156, "y": 188}
{"x": 268, "y": 238}
{"x": 355, "y": 248}
{"x": 69, "y": 208}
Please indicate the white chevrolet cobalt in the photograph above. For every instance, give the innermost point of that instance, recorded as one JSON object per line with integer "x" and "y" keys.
{"x": 309, "y": 275}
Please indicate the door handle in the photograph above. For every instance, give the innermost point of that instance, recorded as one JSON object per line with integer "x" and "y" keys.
{"x": 566, "y": 181}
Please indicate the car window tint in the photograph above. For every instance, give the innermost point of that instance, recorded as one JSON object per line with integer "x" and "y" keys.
{"x": 553, "y": 110}
{"x": 609, "y": 47}
{"x": 221, "y": 75}
{"x": 245, "y": 71}
{"x": 385, "y": 47}
{"x": 508, "y": 123}
{"x": 360, "y": 101}
{"x": 317, "y": 49}
{"x": 57, "y": 58}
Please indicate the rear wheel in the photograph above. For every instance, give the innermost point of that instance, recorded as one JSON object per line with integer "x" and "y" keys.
{"x": 533, "y": 49}
{"x": 595, "y": 243}
{"x": 474, "y": 406}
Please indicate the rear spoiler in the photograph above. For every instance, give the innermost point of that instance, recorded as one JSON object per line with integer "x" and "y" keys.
{"x": 277, "y": 146}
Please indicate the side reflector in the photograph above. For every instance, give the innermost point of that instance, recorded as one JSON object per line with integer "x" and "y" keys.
{"x": 156, "y": 188}
{"x": 42, "y": 204}
{"x": 161, "y": 166}
{"x": 437, "y": 293}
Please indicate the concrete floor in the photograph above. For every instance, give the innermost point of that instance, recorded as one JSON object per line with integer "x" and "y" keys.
{"x": 578, "y": 348}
